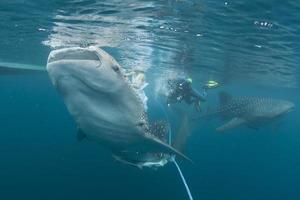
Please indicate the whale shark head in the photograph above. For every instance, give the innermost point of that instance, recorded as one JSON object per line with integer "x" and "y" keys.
{"x": 97, "y": 94}
{"x": 104, "y": 103}
{"x": 280, "y": 107}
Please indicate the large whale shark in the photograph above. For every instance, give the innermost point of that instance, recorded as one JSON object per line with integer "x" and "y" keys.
{"x": 107, "y": 106}
{"x": 250, "y": 111}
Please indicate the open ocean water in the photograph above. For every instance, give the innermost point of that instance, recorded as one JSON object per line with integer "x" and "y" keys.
{"x": 251, "y": 48}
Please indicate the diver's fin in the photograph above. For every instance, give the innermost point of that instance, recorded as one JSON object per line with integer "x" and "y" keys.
{"x": 80, "y": 135}
{"x": 224, "y": 98}
{"x": 234, "y": 122}
{"x": 165, "y": 148}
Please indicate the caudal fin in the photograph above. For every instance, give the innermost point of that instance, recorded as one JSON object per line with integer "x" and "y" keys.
{"x": 224, "y": 98}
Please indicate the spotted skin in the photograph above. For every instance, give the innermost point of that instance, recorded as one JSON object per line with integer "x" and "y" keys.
{"x": 251, "y": 111}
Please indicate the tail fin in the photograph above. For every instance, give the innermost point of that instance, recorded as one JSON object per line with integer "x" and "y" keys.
{"x": 224, "y": 98}
{"x": 163, "y": 147}
{"x": 208, "y": 114}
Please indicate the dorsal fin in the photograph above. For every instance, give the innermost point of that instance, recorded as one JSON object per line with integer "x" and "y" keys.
{"x": 224, "y": 98}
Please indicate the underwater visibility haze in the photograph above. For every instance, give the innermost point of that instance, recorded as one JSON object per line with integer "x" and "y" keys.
{"x": 144, "y": 99}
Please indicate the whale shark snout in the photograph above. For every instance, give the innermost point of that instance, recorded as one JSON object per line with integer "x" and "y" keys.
{"x": 92, "y": 66}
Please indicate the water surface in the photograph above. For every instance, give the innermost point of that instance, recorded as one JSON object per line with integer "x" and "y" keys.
{"x": 250, "y": 47}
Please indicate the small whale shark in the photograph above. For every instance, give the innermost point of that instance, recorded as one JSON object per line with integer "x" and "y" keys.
{"x": 250, "y": 111}
{"x": 107, "y": 106}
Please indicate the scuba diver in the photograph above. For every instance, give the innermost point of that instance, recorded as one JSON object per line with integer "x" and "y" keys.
{"x": 181, "y": 90}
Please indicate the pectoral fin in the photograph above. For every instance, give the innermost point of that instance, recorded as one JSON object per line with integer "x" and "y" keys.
{"x": 234, "y": 122}
{"x": 160, "y": 146}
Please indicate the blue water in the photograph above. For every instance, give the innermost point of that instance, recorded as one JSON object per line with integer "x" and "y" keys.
{"x": 250, "y": 47}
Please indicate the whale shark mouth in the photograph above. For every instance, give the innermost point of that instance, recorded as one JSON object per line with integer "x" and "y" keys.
{"x": 107, "y": 102}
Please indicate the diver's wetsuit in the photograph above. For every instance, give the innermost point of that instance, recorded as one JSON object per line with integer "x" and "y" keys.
{"x": 181, "y": 89}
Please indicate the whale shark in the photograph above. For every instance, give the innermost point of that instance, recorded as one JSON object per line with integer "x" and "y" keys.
{"x": 107, "y": 106}
{"x": 253, "y": 112}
